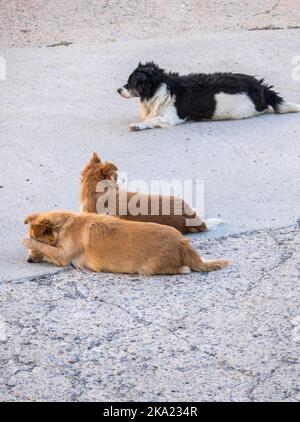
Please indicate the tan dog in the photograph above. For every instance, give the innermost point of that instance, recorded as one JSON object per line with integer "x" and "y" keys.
{"x": 109, "y": 244}
{"x": 179, "y": 212}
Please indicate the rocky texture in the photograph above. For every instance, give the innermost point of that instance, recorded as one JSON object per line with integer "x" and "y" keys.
{"x": 227, "y": 335}
{"x": 37, "y": 23}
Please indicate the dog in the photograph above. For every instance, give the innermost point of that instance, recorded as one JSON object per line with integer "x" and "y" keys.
{"x": 109, "y": 244}
{"x": 180, "y": 215}
{"x": 168, "y": 99}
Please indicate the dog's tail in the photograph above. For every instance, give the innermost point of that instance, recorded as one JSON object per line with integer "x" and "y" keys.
{"x": 193, "y": 260}
{"x": 277, "y": 102}
{"x": 287, "y": 107}
{"x": 204, "y": 225}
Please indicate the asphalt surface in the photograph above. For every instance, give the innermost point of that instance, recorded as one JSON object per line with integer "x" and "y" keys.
{"x": 232, "y": 335}
{"x": 26, "y": 23}
{"x": 59, "y": 104}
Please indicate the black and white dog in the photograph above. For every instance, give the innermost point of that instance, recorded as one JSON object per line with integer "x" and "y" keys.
{"x": 168, "y": 99}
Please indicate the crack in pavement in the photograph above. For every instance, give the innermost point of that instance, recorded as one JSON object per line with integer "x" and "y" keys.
{"x": 70, "y": 329}
{"x": 270, "y": 10}
{"x": 282, "y": 260}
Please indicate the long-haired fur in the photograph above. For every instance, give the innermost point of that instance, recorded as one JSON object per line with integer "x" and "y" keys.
{"x": 109, "y": 244}
{"x": 168, "y": 98}
{"x": 97, "y": 171}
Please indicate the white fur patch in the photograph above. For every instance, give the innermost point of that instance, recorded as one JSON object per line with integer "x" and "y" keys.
{"x": 184, "y": 270}
{"x": 159, "y": 111}
{"x": 287, "y": 107}
{"x": 233, "y": 107}
{"x": 212, "y": 223}
{"x": 125, "y": 93}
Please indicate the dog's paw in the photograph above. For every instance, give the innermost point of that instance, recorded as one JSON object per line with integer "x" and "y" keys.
{"x": 135, "y": 127}
{"x": 26, "y": 242}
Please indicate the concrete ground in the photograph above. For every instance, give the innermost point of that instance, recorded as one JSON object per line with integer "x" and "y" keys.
{"x": 43, "y": 22}
{"x": 228, "y": 335}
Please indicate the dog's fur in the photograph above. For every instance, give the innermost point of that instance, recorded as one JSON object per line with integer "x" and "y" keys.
{"x": 109, "y": 244}
{"x": 168, "y": 99}
{"x": 96, "y": 171}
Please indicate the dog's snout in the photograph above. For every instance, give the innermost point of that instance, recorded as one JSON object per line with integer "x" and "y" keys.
{"x": 124, "y": 91}
{"x": 33, "y": 258}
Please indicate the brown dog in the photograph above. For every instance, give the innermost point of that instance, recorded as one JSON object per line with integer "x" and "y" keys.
{"x": 178, "y": 215}
{"x": 109, "y": 244}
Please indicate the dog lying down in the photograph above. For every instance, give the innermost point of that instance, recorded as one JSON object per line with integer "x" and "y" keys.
{"x": 168, "y": 99}
{"x": 109, "y": 244}
{"x": 180, "y": 215}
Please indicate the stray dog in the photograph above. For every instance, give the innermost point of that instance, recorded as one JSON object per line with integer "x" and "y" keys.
{"x": 168, "y": 99}
{"x": 109, "y": 244}
{"x": 180, "y": 214}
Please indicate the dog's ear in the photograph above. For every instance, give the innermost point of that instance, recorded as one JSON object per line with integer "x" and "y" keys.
{"x": 95, "y": 159}
{"x": 41, "y": 228}
{"x": 41, "y": 225}
{"x": 141, "y": 77}
{"x": 109, "y": 171}
{"x": 45, "y": 225}
{"x": 31, "y": 217}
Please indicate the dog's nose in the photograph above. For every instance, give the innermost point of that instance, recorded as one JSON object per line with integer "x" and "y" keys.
{"x": 119, "y": 90}
{"x": 29, "y": 259}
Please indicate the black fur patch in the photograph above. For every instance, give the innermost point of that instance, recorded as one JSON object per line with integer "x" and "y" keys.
{"x": 195, "y": 93}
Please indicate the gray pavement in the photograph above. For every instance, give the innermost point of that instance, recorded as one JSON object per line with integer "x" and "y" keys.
{"x": 26, "y": 23}
{"x": 228, "y": 335}
{"x": 60, "y": 104}
{"x": 232, "y": 335}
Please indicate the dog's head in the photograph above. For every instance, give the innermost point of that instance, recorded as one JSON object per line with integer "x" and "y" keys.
{"x": 96, "y": 170}
{"x": 94, "y": 173}
{"x": 143, "y": 81}
{"x": 44, "y": 227}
